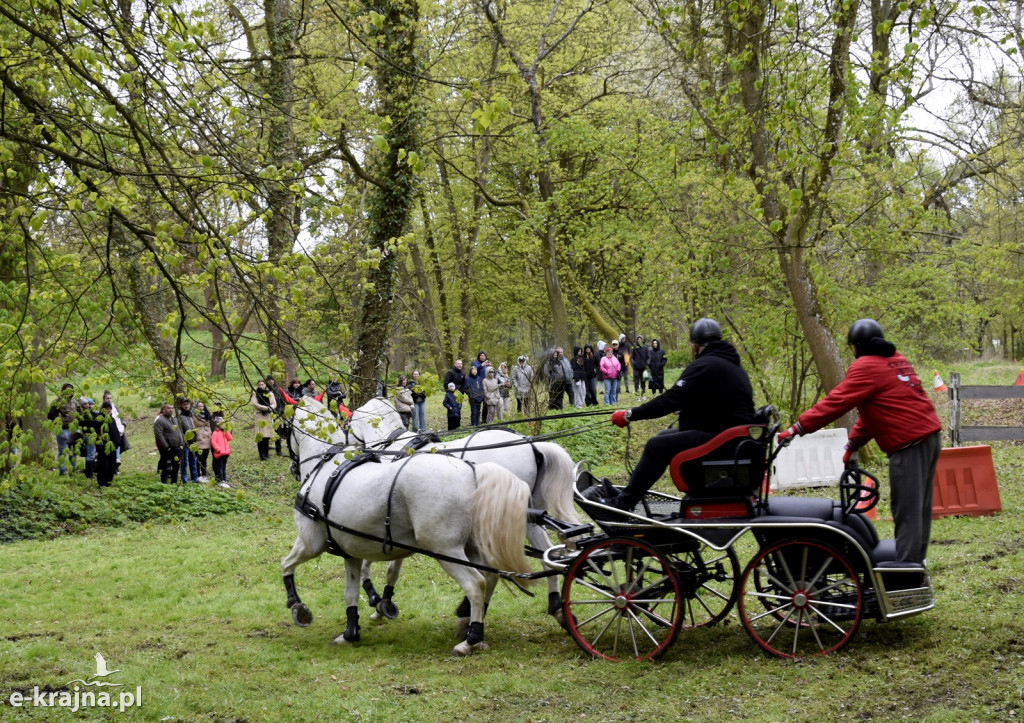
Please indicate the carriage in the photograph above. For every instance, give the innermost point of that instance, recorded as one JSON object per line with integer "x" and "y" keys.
{"x": 816, "y": 566}
{"x": 812, "y": 569}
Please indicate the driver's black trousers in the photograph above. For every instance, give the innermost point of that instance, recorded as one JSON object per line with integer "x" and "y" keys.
{"x": 658, "y": 452}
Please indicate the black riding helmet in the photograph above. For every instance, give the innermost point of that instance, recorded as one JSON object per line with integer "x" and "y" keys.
{"x": 705, "y": 330}
{"x": 864, "y": 330}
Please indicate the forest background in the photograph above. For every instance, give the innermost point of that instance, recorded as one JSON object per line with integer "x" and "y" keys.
{"x": 353, "y": 188}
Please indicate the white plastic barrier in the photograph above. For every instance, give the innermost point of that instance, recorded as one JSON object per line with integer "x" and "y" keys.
{"x": 813, "y": 460}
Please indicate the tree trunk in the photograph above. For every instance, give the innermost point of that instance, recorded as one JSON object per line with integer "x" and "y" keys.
{"x": 390, "y": 200}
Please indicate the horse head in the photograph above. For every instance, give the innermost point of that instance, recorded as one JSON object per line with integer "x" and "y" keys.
{"x": 314, "y": 430}
{"x": 374, "y": 422}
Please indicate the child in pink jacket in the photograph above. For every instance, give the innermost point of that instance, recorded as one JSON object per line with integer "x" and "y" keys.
{"x": 219, "y": 443}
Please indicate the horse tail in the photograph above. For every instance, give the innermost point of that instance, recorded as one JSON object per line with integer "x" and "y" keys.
{"x": 499, "y": 518}
{"x": 555, "y": 480}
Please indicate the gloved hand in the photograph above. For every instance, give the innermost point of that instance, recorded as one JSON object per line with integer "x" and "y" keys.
{"x": 793, "y": 431}
{"x": 619, "y": 418}
{"x": 848, "y": 452}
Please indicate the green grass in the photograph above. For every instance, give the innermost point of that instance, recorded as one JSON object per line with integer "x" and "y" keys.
{"x": 192, "y": 610}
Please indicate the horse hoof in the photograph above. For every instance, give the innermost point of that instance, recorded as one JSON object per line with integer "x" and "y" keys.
{"x": 463, "y": 649}
{"x": 342, "y": 640}
{"x": 301, "y": 615}
{"x": 461, "y": 628}
{"x": 559, "y": 616}
{"x": 388, "y": 609}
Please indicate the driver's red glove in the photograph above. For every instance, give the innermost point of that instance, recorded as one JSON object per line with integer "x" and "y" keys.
{"x": 794, "y": 431}
{"x": 619, "y": 418}
{"x": 847, "y": 453}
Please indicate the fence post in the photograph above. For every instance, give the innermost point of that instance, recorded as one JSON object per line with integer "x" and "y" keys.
{"x": 954, "y": 409}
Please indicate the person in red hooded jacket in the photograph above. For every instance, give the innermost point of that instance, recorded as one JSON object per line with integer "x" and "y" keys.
{"x": 896, "y": 412}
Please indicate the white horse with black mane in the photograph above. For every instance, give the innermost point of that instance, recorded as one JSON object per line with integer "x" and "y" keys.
{"x": 367, "y": 508}
{"x": 545, "y": 467}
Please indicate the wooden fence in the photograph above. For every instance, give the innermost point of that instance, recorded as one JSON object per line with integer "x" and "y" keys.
{"x": 958, "y": 433}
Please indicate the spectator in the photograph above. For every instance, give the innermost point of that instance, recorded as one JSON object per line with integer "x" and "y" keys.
{"x": 481, "y": 363}
{"x": 108, "y": 441}
{"x": 579, "y": 377}
{"x": 492, "y": 395}
{"x": 403, "y": 401}
{"x": 475, "y": 392}
{"x": 454, "y": 407}
{"x": 620, "y": 356}
{"x": 335, "y": 397}
{"x": 219, "y": 443}
{"x": 308, "y": 390}
{"x": 559, "y": 376}
{"x": 522, "y": 383}
{"x": 186, "y": 423}
{"x": 419, "y": 404}
{"x": 295, "y": 390}
{"x": 590, "y": 363}
{"x": 456, "y": 376}
{"x": 656, "y": 365}
{"x": 201, "y": 416}
{"x": 65, "y": 407}
{"x": 610, "y": 369}
{"x": 625, "y": 358}
{"x": 504, "y": 389}
{"x": 108, "y": 396}
{"x": 639, "y": 358}
{"x": 263, "y": 405}
{"x": 169, "y": 442}
{"x": 86, "y": 414}
{"x": 279, "y": 402}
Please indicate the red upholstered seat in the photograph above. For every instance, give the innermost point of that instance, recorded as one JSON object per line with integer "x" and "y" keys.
{"x": 734, "y": 458}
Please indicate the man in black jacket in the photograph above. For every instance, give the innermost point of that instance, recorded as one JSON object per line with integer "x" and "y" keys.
{"x": 711, "y": 395}
{"x": 455, "y": 376}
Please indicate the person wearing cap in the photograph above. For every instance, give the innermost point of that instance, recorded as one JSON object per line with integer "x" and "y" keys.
{"x": 610, "y": 369}
{"x": 187, "y": 425}
{"x": 896, "y": 412}
{"x": 522, "y": 382}
{"x": 454, "y": 407}
{"x": 639, "y": 359}
{"x": 621, "y": 357}
{"x": 711, "y": 395}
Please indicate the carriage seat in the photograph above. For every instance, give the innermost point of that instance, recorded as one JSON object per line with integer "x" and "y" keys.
{"x": 732, "y": 462}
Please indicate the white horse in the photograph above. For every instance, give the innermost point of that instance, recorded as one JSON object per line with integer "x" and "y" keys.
{"x": 546, "y": 467}
{"x": 436, "y": 504}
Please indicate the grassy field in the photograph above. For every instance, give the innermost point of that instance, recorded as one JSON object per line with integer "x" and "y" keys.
{"x": 191, "y": 610}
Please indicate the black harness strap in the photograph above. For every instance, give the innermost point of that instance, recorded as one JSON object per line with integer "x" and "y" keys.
{"x": 389, "y": 544}
{"x": 310, "y": 510}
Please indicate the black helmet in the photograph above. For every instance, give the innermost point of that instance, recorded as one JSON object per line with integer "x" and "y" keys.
{"x": 863, "y": 331}
{"x": 705, "y": 330}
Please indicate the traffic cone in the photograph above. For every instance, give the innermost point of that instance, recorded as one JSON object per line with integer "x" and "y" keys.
{"x": 1020, "y": 379}
{"x": 940, "y": 386}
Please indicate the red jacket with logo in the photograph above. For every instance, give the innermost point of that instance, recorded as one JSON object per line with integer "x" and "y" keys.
{"x": 894, "y": 409}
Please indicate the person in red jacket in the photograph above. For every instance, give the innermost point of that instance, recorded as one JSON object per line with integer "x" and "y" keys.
{"x": 896, "y": 412}
{"x": 219, "y": 442}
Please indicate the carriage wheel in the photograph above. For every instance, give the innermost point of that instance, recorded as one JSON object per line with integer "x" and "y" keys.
{"x": 710, "y": 583}
{"x": 621, "y": 600}
{"x": 800, "y": 598}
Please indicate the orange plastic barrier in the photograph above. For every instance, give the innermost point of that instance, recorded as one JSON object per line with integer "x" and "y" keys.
{"x": 965, "y": 483}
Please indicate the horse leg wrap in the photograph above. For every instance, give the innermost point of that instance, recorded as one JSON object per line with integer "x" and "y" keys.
{"x": 352, "y": 624}
{"x": 289, "y": 588}
{"x": 371, "y": 593}
{"x": 475, "y": 634}
{"x": 554, "y": 603}
{"x": 389, "y": 592}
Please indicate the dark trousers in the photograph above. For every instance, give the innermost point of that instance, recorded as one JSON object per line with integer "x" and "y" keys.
{"x": 106, "y": 467}
{"x": 555, "y": 392}
{"x": 658, "y": 452}
{"x": 591, "y": 398}
{"x": 454, "y": 422}
{"x": 220, "y": 468}
{"x": 911, "y": 487}
{"x": 639, "y": 383}
{"x": 277, "y": 446}
{"x": 263, "y": 447}
{"x": 201, "y": 457}
{"x": 474, "y": 412}
{"x": 169, "y": 460}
